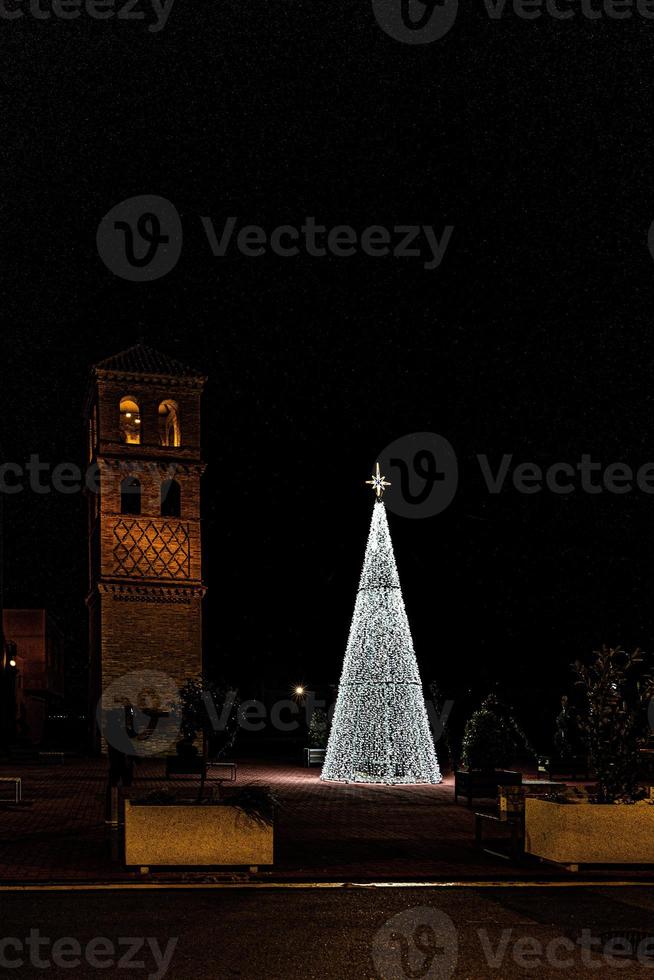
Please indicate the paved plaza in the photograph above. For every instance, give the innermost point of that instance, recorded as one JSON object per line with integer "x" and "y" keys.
{"x": 323, "y": 831}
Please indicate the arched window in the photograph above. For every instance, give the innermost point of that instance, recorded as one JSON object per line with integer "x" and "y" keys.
{"x": 169, "y": 431}
{"x": 171, "y": 499}
{"x": 130, "y": 496}
{"x": 130, "y": 421}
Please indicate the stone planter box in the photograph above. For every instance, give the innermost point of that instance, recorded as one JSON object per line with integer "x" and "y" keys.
{"x": 188, "y": 834}
{"x": 589, "y": 833}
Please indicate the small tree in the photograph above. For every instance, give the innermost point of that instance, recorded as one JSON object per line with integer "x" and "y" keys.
{"x": 567, "y": 740}
{"x": 616, "y": 687}
{"x": 489, "y": 740}
{"x": 318, "y": 729}
{"x": 209, "y": 711}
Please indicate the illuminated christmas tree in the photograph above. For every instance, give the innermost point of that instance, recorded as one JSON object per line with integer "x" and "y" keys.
{"x": 380, "y": 731}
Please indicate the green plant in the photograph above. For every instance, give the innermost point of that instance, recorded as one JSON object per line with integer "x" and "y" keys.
{"x": 258, "y": 802}
{"x": 489, "y": 739}
{"x": 616, "y": 688}
{"x": 567, "y": 741}
{"x": 210, "y": 711}
{"x": 318, "y": 729}
{"x": 156, "y": 797}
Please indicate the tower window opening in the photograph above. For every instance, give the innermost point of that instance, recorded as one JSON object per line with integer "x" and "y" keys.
{"x": 169, "y": 428}
{"x": 130, "y": 496}
{"x": 171, "y": 499}
{"x": 130, "y": 421}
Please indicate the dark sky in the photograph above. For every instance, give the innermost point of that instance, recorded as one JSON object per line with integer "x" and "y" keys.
{"x": 534, "y": 337}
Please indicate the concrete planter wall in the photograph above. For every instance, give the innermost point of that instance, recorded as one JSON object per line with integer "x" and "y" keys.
{"x": 186, "y": 834}
{"x": 589, "y": 833}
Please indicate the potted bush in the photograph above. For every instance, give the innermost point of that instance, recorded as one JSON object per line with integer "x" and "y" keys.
{"x": 317, "y": 737}
{"x": 490, "y": 743}
{"x": 209, "y": 713}
{"x": 613, "y": 823}
{"x": 236, "y": 830}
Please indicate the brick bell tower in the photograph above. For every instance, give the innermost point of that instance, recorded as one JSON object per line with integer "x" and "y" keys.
{"x": 146, "y": 589}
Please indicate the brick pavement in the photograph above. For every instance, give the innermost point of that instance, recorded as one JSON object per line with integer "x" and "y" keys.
{"x": 324, "y": 831}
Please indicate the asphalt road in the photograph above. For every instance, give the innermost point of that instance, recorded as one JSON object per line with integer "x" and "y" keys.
{"x": 382, "y": 933}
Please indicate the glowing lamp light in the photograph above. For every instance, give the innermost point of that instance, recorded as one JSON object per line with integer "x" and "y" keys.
{"x": 128, "y": 415}
{"x": 12, "y": 663}
{"x": 299, "y": 690}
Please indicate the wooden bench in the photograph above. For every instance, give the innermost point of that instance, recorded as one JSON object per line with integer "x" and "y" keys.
{"x": 196, "y": 766}
{"x": 314, "y": 757}
{"x": 18, "y": 787}
{"x": 511, "y": 814}
{"x": 574, "y": 769}
{"x": 229, "y": 768}
{"x": 515, "y": 826}
{"x": 476, "y": 783}
{"x": 177, "y": 765}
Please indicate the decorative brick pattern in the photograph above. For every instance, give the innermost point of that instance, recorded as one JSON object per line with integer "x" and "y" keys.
{"x": 145, "y": 549}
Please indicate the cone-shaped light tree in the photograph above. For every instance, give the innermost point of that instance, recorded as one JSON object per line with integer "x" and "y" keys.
{"x": 380, "y": 730}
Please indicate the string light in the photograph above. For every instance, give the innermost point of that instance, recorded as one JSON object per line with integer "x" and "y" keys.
{"x": 380, "y": 730}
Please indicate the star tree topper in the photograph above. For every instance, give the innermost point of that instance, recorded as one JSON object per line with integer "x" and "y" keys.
{"x": 378, "y": 482}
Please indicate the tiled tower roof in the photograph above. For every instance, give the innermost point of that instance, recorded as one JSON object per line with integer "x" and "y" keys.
{"x": 141, "y": 359}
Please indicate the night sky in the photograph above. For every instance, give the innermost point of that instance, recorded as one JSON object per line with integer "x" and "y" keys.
{"x": 534, "y": 336}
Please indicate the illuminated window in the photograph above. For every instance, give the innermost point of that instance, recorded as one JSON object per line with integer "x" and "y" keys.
{"x": 171, "y": 499}
{"x": 169, "y": 431}
{"x": 130, "y": 421}
{"x": 130, "y": 496}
